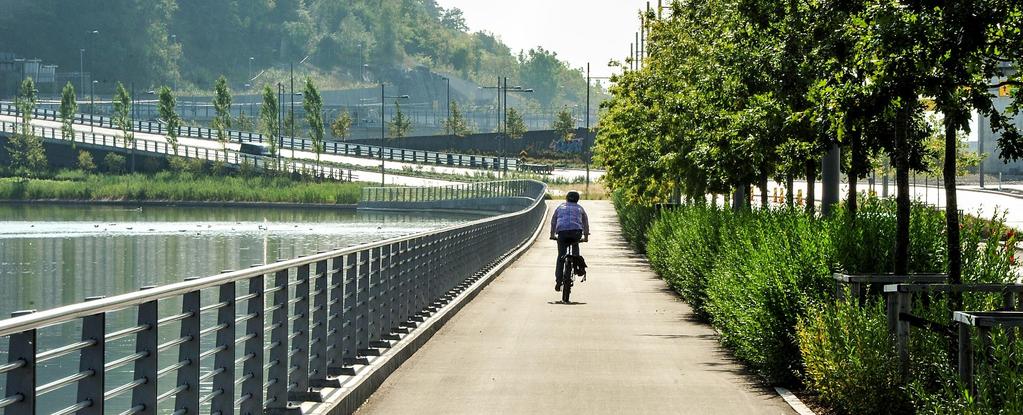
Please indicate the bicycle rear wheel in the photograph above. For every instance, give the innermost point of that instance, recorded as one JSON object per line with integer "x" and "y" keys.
{"x": 567, "y": 280}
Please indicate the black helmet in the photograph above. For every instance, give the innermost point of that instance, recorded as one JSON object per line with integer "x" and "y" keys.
{"x": 573, "y": 196}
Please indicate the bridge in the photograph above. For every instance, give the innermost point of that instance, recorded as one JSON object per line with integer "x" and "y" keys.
{"x": 457, "y": 320}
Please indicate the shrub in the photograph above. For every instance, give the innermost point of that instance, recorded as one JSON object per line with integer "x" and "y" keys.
{"x": 850, "y": 359}
{"x": 114, "y": 163}
{"x": 85, "y": 162}
{"x": 682, "y": 246}
{"x": 635, "y": 220}
{"x": 770, "y": 265}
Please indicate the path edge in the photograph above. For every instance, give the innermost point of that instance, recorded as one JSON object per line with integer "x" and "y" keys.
{"x": 793, "y": 401}
{"x": 355, "y": 391}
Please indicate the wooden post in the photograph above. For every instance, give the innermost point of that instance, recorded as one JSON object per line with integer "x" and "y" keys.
{"x": 902, "y": 333}
{"x": 966, "y": 358}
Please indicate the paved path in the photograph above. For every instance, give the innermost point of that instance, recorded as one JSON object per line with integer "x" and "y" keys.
{"x": 629, "y": 346}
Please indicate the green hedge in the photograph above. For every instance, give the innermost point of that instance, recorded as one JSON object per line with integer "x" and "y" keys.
{"x": 763, "y": 280}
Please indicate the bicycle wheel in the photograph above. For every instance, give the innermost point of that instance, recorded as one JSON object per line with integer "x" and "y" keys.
{"x": 567, "y": 280}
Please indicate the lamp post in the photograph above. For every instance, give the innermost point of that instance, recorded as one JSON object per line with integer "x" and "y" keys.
{"x": 383, "y": 128}
{"x": 81, "y": 70}
{"x": 92, "y": 107}
{"x": 503, "y": 89}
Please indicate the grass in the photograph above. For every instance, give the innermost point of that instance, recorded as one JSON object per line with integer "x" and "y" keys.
{"x": 178, "y": 186}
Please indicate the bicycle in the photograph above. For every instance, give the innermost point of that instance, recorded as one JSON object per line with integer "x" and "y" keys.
{"x": 568, "y": 273}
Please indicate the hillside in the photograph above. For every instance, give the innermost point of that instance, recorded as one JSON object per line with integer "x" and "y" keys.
{"x": 345, "y": 43}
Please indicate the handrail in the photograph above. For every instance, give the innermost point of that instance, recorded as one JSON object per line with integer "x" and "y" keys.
{"x": 162, "y": 148}
{"x": 303, "y": 144}
{"x": 300, "y": 323}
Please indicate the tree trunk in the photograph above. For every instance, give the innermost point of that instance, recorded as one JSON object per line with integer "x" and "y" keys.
{"x": 789, "y": 185}
{"x": 955, "y": 254}
{"x": 902, "y": 200}
{"x": 811, "y": 187}
{"x": 739, "y": 198}
{"x": 854, "y": 173}
{"x": 764, "y": 202}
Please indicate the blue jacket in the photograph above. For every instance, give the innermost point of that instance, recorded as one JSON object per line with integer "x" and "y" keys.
{"x": 570, "y": 217}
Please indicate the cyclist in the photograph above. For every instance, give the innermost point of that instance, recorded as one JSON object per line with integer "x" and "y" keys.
{"x": 569, "y": 226}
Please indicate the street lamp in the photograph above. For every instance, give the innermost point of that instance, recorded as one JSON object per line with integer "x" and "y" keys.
{"x": 251, "y": 77}
{"x": 383, "y": 128}
{"x": 92, "y": 107}
{"x": 81, "y": 70}
{"x": 503, "y": 134}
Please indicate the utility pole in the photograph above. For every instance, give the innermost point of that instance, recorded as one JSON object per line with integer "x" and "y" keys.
{"x": 586, "y": 160}
{"x": 383, "y": 134}
{"x": 292, "y": 112}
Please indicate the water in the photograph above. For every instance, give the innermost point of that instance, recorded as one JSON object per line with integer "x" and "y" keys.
{"x": 52, "y": 255}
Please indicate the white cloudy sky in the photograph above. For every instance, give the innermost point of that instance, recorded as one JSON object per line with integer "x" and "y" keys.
{"x": 579, "y": 31}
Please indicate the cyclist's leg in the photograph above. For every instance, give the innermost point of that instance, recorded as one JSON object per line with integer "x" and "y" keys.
{"x": 563, "y": 242}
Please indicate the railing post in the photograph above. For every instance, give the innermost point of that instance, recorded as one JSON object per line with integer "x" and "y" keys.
{"x": 338, "y": 325}
{"x": 187, "y": 400}
{"x": 320, "y": 325}
{"x": 143, "y": 396}
{"x": 252, "y": 369}
{"x": 277, "y": 390}
{"x": 300, "y": 356}
{"x": 350, "y": 330}
{"x": 22, "y": 381}
{"x": 363, "y": 298}
{"x": 93, "y": 359}
{"x": 223, "y": 360}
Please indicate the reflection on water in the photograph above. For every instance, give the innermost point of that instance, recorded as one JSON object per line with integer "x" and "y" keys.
{"x": 55, "y": 255}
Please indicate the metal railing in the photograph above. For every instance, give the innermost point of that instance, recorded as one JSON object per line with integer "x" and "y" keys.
{"x": 299, "y": 144}
{"x": 162, "y": 148}
{"x": 250, "y": 341}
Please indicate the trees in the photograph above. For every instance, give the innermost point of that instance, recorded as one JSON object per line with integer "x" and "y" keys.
{"x": 400, "y": 125}
{"x": 456, "y": 123}
{"x": 341, "y": 126}
{"x": 222, "y": 106}
{"x": 516, "y": 125}
{"x": 26, "y": 150}
{"x": 313, "y": 105}
{"x": 564, "y": 125}
{"x": 166, "y": 109}
{"x": 68, "y": 108}
{"x": 122, "y": 118}
{"x": 269, "y": 121}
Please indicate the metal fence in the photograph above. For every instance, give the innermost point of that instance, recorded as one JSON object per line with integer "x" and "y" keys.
{"x": 250, "y": 341}
{"x": 296, "y": 143}
{"x": 162, "y": 149}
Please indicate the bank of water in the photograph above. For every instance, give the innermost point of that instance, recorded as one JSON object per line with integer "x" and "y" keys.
{"x": 52, "y": 255}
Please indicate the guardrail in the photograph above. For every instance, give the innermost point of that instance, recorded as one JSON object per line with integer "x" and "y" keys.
{"x": 300, "y": 144}
{"x": 250, "y": 341}
{"x": 505, "y": 196}
{"x": 162, "y": 148}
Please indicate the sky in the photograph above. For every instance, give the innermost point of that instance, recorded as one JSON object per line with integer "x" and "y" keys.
{"x": 579, "y": 31}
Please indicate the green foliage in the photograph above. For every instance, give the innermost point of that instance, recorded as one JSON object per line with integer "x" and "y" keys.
{"x": 166, "y": 109}
{"x": 122, "y": 115}
{"x": 268, "y": 115}
{"x": 26, "y": 151}
{"x": 456, "y": 123}
{"x": 342, "y": 125}
{"x": 516, "y": 125}
{"x": 244, "y": 123}
{"x": 313, "y": 105}
{"x": 85, "y": 162}
{"x": 68, "y": 108}
{"x": 683, "y": 247}
{"x": 180, "y": 186}
{"x": 211, "y": 38}
{"x": 399, "y": 125}
{"x": 222, "y": 106}
{"x": 114, "y": 163}
{"x": 564, "y": 125}
{"x": 635, "y": 220}
{"x": 850, "y": 359}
